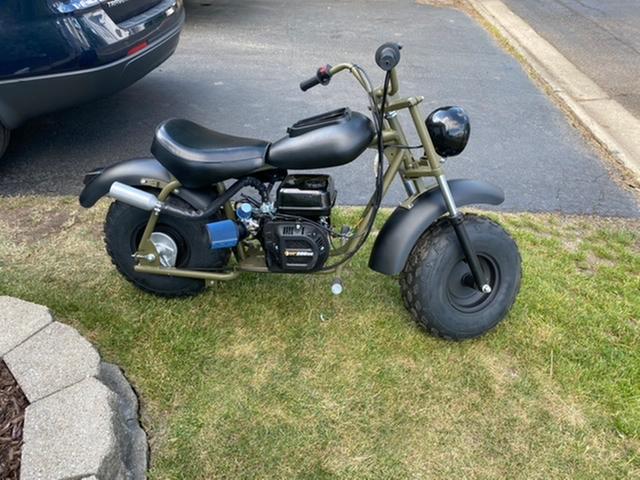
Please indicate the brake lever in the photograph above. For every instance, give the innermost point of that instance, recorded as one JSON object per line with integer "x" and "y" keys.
{"x": 324, "y": 74}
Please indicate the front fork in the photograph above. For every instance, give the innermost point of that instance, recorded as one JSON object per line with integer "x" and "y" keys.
{"x": 455, "y": 216}
{"x": 457, "y": 220}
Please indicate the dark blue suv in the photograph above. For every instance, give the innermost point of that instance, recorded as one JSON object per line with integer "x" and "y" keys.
{"x": 58, "y": 53}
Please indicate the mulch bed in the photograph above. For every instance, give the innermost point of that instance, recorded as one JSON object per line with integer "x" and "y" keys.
{"x": 12, "y": 406}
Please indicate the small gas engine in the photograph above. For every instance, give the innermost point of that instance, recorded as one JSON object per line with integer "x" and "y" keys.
{"x": 290, "y": 243}
{"x": 294, "y": 231}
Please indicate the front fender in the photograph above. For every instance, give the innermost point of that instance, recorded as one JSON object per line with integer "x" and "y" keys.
{"x": 132, "y": 172}
{"x": 406, "y": 225}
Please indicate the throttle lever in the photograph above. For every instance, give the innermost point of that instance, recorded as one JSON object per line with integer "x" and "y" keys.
{"x": 324, "y": 74}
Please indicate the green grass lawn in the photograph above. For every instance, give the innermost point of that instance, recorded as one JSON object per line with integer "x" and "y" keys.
{"x": 273, "y": 377}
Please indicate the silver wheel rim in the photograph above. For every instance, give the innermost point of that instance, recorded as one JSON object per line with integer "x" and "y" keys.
{"x": 166, "y": 248}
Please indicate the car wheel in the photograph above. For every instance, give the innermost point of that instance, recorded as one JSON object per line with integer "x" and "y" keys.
{"x": 5, "y": 134}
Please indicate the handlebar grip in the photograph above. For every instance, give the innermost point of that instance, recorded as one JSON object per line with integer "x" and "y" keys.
{"x": 309, "y": 83}
{"x": 322, "y": 76}
{"x": 388, "y": 56}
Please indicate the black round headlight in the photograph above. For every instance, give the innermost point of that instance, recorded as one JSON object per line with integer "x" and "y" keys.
{"x": 449, "y": 128}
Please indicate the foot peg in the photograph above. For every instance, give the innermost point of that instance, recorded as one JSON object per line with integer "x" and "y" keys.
{"x": 336, "y": 287}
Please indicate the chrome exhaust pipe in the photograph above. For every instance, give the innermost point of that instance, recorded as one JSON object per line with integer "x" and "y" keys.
{"x": 134, "y": 197}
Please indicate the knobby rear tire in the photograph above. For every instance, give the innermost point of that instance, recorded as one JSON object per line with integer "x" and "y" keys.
{"x": 122, "y": 232}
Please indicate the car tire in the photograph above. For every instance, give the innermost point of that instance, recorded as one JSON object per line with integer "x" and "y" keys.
{"x": 5, "y": 135}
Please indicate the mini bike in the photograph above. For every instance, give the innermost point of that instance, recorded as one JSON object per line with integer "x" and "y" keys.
{"x": 175, "y": 224}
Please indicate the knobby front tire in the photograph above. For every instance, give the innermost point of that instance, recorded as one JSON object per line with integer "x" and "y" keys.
{"x": 438, "y": 289}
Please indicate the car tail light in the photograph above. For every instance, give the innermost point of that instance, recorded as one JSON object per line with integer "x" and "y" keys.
{"x": 137, "y": 48}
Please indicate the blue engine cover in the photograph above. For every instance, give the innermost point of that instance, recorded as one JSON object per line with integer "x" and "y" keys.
{"x": 223, "y": 234}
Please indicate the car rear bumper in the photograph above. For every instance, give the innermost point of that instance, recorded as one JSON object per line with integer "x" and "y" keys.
{"x": 25, "y": 98}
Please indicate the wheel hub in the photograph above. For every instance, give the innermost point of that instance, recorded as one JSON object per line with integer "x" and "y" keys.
{"x": 462, "y": 291}
{"x": 166, "y": 248}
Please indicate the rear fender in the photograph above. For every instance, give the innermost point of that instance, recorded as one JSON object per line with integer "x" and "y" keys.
{"x": 407, "y": 223}
{"x": 139, "y": 173}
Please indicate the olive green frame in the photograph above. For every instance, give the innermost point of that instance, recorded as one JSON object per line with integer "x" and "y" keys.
{"x": 250, "y": 257}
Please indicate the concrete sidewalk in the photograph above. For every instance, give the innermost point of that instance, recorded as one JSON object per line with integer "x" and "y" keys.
{"x": 237, "y": 70}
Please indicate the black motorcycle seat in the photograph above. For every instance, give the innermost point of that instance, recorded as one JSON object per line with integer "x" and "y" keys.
{"x": 198, "y": 156}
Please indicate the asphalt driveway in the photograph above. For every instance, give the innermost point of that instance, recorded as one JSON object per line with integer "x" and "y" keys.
{"x": 237, "y": 70}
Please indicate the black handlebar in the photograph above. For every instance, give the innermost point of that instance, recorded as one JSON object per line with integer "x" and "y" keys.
{"x": 387, "y": 57}
{"x": 309, "y": 83}
{"x": 322, "y": 76}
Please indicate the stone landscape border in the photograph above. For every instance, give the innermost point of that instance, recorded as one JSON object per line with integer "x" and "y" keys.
{"x": 82, "y": 421}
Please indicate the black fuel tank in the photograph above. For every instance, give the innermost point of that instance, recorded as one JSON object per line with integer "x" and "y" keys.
{"x": 328, "y": 140}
